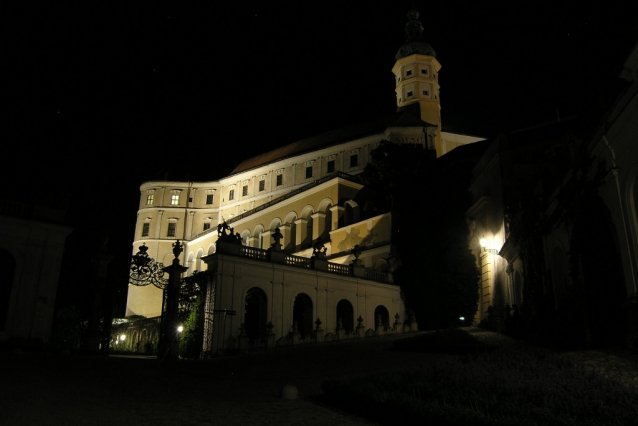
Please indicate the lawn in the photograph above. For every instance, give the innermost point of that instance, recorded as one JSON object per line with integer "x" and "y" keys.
{"x": 477, "y": 384}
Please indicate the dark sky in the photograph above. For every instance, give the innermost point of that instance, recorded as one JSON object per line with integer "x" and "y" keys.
{"x": 102, "y": 98}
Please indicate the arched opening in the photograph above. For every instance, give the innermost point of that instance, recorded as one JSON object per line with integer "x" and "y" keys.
{"x": 255, "y": 315}
{"x": 381, "y": 318}
{"x": 599, "y": 289}
{"x": 8, "y": 267}
{"x": 351, "y": 213}
{"x": 302, "y": 315}
{"x": 559, "y": 274}
{"x": 144, "y": 341}
{"x": 345, "y": 316}
{"x": 198, "y": 261}
{"x": 381, "y": 265}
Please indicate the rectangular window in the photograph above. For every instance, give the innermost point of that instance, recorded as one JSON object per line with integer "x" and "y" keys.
{"x": 174, "y": 200}
{"x": 408, "y": 73}
{"x": 171, "y": 229}
{"x": 145, "y": 229}
{"x": 354, "y": 160}
{"x": 424, "y": 71}
{"x": 206, "y": 226}
{"x": 262, "y": 185}
{"x": 331, "y": 166}
{"x": 231, "y": 194}
{"x": 244, "y": 190}
{"x": 409, "y": 93}
{"x": 210, "y": 198}
{"x": 149, "y": 199}
{"x": 426, "y": 93}
{"x": 308, "y": 172}
{"x": 280, "y": 180}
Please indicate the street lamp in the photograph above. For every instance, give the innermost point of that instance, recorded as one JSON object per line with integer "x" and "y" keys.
{"x": 484, "y": 243}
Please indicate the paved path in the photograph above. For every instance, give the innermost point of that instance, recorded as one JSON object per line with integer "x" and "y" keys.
{"x": 45, "y": 389}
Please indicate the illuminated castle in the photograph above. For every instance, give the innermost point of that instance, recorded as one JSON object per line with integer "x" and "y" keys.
{"x": 287, "y": 200}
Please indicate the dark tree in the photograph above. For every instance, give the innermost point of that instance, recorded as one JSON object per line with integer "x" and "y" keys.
{"x": 428, "y": 198}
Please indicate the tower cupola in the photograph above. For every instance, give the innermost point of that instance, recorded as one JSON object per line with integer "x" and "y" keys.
{"x": 416, "y": 76}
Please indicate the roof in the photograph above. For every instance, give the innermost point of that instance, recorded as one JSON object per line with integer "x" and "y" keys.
{"x": 407, "y": 117}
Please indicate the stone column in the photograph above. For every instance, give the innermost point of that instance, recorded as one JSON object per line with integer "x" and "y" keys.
{"x": 285, "y": 239}
{"x": 337, "y": 214}
{"x": 318, "y": 225}
{"x": 189, "y": 225}
{"x": 302, "y": 233}
{"x": 253, "y": 242}
{"x": 265, "y": 240}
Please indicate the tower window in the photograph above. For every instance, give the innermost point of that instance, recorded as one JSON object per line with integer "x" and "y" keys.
{"x": 231, "y": 194}
{"x": 145, "y": 229}
{"x": 244, "y": 190}
{"x": 331, "y": 166}
{"x": 210, "y": 198}
{"x": 426, "y": 93}
{"x": 262, "y": 185}
{"x": 408, "y": 73}
{"x": 410, "y": 93}
{"x": 424, "y": 71}
{"x": 171, "y": 229}
{"x": 308, "y": 172}
{"x": 149, "y": 199}
{"x": 174, "y": 200}
{"x": 354, "y": 160}
{"x": 280, "y": 180}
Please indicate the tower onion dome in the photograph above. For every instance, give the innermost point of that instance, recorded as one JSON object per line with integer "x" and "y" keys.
{"x": 414, "y": 38}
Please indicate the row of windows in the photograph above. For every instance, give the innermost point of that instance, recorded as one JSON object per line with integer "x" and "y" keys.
{"x": 170, "y": 232}
{"x": 210, "y": 198}
{"x": 408, "y": 73}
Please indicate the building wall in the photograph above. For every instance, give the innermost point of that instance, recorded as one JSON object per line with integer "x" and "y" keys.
{"x": 35, "y": 248}
{"x": 282, "y": 284}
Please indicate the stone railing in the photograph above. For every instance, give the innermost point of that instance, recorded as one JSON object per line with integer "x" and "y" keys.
{"x": 338, "y": 268}
{"x": 301, "y": 262}
{"x": 253, "y": 253}
{"x": 374, "y": 275}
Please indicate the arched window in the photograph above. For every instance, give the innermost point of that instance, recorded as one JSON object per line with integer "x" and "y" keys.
{"x": 256, "y": 315}
{"x": 345, "y": 316}
{"x": 302, "y": 315}
{"x": 8, "y": 267}
{"x": 381, "y": 318}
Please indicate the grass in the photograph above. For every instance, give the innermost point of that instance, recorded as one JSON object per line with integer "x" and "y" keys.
{"x": 516, "y": 384}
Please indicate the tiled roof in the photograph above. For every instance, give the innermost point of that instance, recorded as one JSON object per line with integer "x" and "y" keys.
{"x": 408, "y": 117}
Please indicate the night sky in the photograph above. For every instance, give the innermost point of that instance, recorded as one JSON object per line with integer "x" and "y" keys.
{"x": 103, "y": 98}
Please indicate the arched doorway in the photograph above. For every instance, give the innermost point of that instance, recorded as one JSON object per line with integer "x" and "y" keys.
{"x": 255, "y": 315}
{"x": 599, "y": 289}
{"x": 302, "y": 315}
{"x": 381, "y": 318}
{"x": 7, "y": 266}
{"x": 345, "y": 315}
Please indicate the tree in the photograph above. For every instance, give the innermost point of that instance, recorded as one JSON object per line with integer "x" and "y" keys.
{"x": 428, "y": 199}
